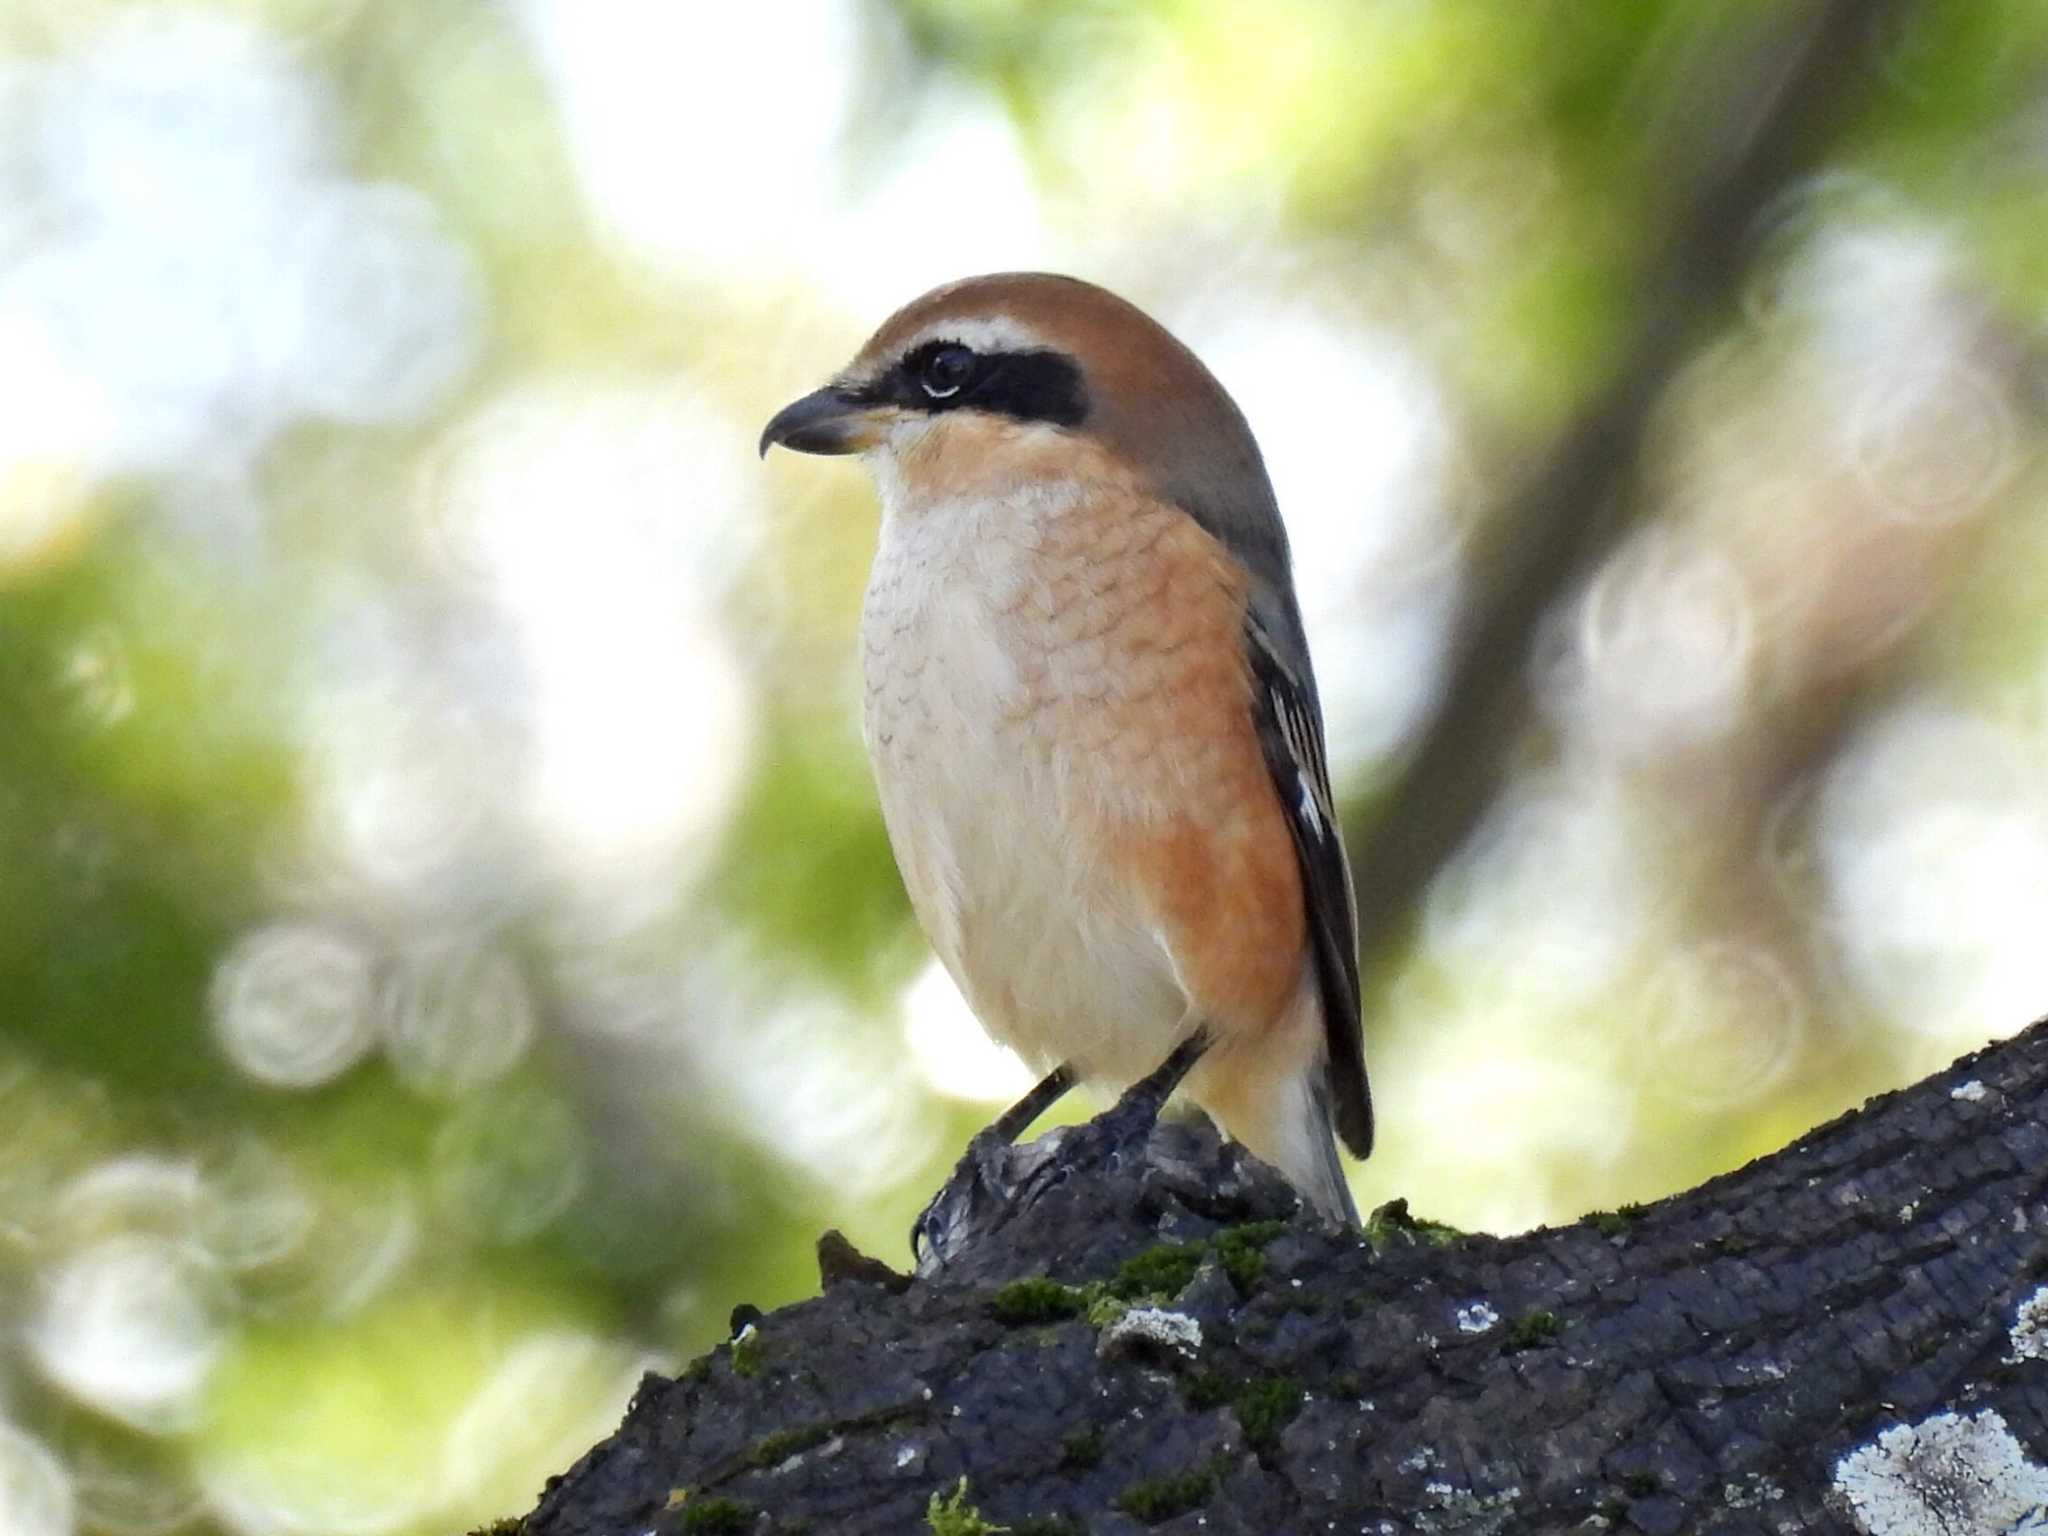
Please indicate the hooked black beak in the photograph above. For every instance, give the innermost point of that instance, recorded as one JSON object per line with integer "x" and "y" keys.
{"x": 827, "y": 420}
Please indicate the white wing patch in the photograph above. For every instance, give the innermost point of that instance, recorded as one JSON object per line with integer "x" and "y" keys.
{"x": 1317, "y": 811}
{"x": 1310, "y": 812}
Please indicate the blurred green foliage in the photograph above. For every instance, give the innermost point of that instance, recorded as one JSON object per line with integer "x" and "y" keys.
{"x": 449, "y": 950}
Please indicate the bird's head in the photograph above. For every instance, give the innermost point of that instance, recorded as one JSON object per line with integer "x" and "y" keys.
{"x": 1016, "y": 377}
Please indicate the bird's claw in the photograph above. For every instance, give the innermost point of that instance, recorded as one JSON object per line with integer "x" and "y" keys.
{"x": 993, "y": 1179}
{"x": 980, "y": 1186}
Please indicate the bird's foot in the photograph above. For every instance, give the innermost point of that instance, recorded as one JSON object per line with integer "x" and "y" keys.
{"x": 979, "y": 1193}
{"x": 994, "y": 1179}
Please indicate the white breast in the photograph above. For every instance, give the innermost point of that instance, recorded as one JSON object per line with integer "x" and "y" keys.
{"x": 990, "y": 824}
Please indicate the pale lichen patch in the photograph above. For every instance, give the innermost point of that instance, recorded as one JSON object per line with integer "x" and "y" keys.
{"x": 1971, "y": 1092}
{"x": 1476, "y": 1318}
{"x": 1152, "y": 1328}
{"x": 2029, "y": 1332}
{"x": 1945, "y": 1476}
{"x": 1463, "y": 1511}
{"x": 1751, "y": 1491}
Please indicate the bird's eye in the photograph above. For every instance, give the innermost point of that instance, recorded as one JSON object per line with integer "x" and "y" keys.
{"x": 945, "y": 371}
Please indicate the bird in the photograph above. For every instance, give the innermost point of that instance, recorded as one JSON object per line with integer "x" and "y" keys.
{"x": 1091, "y": 716}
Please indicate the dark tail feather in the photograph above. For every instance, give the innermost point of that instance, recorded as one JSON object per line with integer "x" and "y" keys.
{"x": 1328, "y": 1190}
{"x": 1352, "y": 1098}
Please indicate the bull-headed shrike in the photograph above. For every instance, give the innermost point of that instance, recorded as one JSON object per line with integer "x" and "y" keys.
{"x": 1092, "y": 718}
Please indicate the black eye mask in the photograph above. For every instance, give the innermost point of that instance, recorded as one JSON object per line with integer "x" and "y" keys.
{"x": 1025, "y": 386}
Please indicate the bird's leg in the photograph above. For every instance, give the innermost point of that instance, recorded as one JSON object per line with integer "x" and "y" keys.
{"x": 979, "y": 1177}
{"x": 1016, "y": 1120}
{"x": 994, "y": 1178}
{"x": 1133, "y": 1115}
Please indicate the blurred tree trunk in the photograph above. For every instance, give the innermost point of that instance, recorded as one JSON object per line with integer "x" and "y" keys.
{"x": 1839, "y": 1337}
{"x": 1758, "y": 110}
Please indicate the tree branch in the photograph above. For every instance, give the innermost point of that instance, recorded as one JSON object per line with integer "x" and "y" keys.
{"x": 1821, "y": 1341}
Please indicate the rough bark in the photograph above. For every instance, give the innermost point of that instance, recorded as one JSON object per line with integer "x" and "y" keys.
{"x": 1849, "y": 1335}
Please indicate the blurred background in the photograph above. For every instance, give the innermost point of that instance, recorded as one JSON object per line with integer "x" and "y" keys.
{"x": 449, "y": 953}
